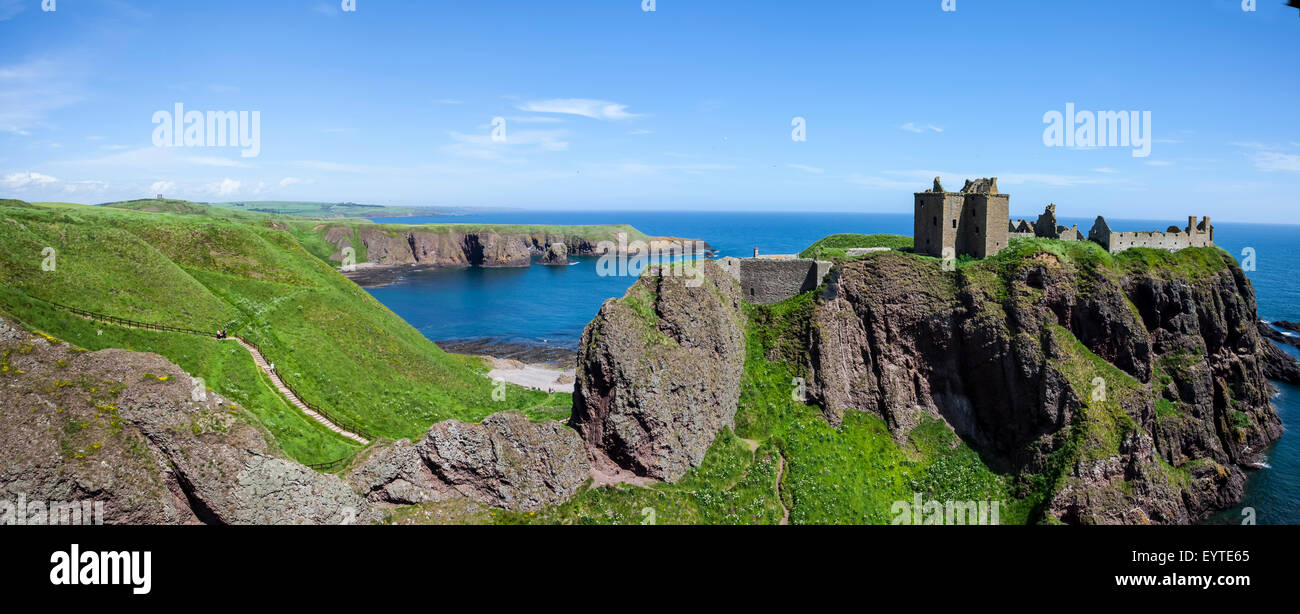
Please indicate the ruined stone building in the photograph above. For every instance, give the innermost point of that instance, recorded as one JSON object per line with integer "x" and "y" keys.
{"x": 975, "y": 222}
{"x": 970, "y": 222}
{"x": 1046, "y": 228}
{"x": 1172, "y": 239}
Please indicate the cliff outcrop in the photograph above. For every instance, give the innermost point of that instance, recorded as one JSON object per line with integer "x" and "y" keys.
{"x": 1140, "y": 394}
{"x": 505, "y": 461}
{"x": 659, "y": 372}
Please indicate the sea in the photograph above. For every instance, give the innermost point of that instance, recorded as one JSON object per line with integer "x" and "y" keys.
{"x": 547, "y": 307}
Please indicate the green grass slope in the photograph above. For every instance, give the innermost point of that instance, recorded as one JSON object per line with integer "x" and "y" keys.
{"x": 184, "y": 266}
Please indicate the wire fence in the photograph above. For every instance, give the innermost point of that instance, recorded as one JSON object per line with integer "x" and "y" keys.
{"x": 330, "y": 466}
{"x": 132, "y": 323}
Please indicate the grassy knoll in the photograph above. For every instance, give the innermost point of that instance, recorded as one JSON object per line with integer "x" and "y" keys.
{"x": 194, "y": 267}
{"x": 835, "y": 247}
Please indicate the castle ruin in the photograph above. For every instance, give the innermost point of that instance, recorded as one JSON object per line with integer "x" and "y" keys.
{"x": 974, "y": 222}
{"x": 971, "y": 223}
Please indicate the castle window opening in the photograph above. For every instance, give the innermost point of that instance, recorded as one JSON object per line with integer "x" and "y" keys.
{"x": 954, "y": 223}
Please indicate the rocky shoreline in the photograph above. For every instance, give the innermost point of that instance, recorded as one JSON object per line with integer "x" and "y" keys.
{"x": 532, "y": 354}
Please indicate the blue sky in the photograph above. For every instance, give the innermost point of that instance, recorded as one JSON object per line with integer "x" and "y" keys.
{"x": 687, "y": 107}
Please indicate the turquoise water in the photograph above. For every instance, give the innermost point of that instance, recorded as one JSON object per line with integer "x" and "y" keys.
{"x": 549, "y": 306}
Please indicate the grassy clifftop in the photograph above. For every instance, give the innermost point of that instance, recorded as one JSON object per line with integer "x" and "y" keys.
{"x": 310, "y": 232}
{"x": 193, "y": 266}
{"x": 836, "y": 246}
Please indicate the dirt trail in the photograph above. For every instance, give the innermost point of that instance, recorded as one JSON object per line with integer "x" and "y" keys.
{"x": 780, "y": 472}
{"x": 753, "y": 444}
{"x": 288, "y": 394}
{"x": 261, "y": 364}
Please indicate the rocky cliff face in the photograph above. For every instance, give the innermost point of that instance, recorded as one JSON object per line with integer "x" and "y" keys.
{"x": 125, "y": 429}
{"x": 387, "y": 247}
{"x": 1140, "y": 395}
{"x": 659, "y": 373}
{"x": 505, "y": 461}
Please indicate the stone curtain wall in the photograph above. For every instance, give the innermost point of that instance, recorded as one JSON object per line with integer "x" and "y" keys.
{"x": 1172, "y": 241}
{"x": 766, "y": 281}
{"x": 1116, "y": 242}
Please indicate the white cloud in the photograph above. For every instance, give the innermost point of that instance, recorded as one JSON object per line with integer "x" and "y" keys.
{"x": 225, "y": 188}
{"x": 807, "y": 169}
{"x": 1277, "y": 161}
{"x": 640, "y": 131}
{"x": 912, "y": 127}
{"x": 1160, "y": 163}
{"x": 483, "y": 147}
{"x": 162, "y": 187}
{"x": 1105, "y": 170}
{"x": 288, "y": 181}
{"x": 534, "y": 119}
{"x": 145, "y": 164}
{"x": 586, "y": 107}
{"x": 18, "y": 181}
{"x": 448, "y": 101}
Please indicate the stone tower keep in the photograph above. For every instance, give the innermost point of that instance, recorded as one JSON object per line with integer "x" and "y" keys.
{"x": 971, "y": 222}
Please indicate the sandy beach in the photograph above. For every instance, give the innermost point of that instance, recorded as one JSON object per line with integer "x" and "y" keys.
{"x": 537, "y": 377}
